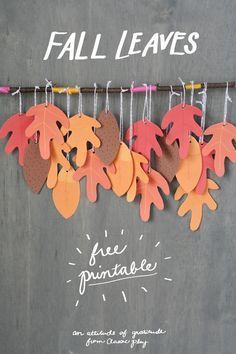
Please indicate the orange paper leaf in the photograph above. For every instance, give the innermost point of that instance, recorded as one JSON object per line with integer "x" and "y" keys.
{"x": 194, "y": 203}
{"x": 122, "y": 177}
{"x": 150, "y": 193}
{"x": 66, "y": 194}
{"x": 81, "y": 129}
{"x": 190, "y": 168}
{"x": 139, "y": 174}
{"x": 45, "y": 122}
{"x": 221, "y": 144}
{"x": 57, "y": 158}
{"x": 93, "y": 170}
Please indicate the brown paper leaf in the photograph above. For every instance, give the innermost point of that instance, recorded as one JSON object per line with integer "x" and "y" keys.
{"x": 108, "y": 135}
{"x": 35, "y": 169}
{"x": 168, "y": 163}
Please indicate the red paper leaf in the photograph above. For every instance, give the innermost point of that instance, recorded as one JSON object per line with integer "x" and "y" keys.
{"x": 221, "y": 144}
{"x": 145, "y": 134}
{"x": 93, "y": 170}
{"x": 182, "y": 120}
{"x": 150, "y": 193}
{"x": 16, "y": 125}
{"x": 207, "y": 164}
{"x": 45, "y": 122}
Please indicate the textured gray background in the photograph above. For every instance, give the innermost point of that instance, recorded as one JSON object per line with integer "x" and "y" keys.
{"x": 37, "y": 312}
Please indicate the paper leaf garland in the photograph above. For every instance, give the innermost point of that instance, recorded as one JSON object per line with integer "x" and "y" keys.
{"x": 35, "y": 169}
{"x": 16, "y": 125}
{"x": 182, "y": 120}
{"x": 168, "y": 163}
{"x": 122, "y": 177}
{"x": 190, "y": 168}
{"x": 93, "y": 170}
{"x": 194, "y": 203}
{"x": 81, "y": 129}
{"x": 57, "y": 158}
{"x": 150, "y": 193}
{"x": 207, "y": 164}
{"x": 145, "y": 134}
{"x": 221, "y": 144}
{"x": 45, "y": 122}
{"x": 138, "y": 174}
{"x": 66, "y": 193}
{"x": 108, "y": 135}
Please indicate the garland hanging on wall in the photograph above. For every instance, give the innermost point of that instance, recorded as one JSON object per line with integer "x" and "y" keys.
{"x": 61, "y": 150}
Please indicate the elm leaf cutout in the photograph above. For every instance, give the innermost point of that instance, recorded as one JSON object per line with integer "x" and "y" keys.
{"x": 82, "y": 132}
{"x": 145, "y": 133}
{"x": 221, "y": 144}
{"x": 207, "y": 164}
{"x": 194, "y": 203}
{"x": 168, "y": 163}
{"x": 190, "y": 168}
{"x": 150, "y": 193}
{"x": 122, "y": 177}
{"x": 35, "y": 169}
{"x": 93, "y": 170}
{"x": 108, "y": 135}
{"x": 57, "y": 158}
{"x": 139, "y": 174}
{"x": 45, "y": 122}
{"x": 16, "y": 125}
{"x": 182, "y": 120}
{"x": 66, "y": 193}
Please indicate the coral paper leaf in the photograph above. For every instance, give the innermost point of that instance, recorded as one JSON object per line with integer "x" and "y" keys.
{"x": 194, "y": 203}
{"x": 45, "y": 122}
{"x": 16, "y": 125}
{"x": 221, "y": 143}
{"x": 150, "y": 193}
{"x": 182, "y": 120}
{"x": 93, "y": 170}
{"x": 66, "y": 194}
{"x": 138, "y": 174}
{"x": 82, "y": 132}
{"x": 207, "y": 164}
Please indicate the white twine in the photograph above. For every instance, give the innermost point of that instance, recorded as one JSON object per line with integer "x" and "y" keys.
{"x": 131, "y": 114}
{"x": 121, "y": 135}
{"x": 145, "y": 105}
{"x": 95, "y": 101}
{"x": 150, "y": 104}
{"x": 107, "y": 97}
{"x": 171, "y": 94}
{"x": 183, "y": 98}
{"x": 227, "y": 99}
{"x": 192, "y": 92}
{"x": 35, "y": 94}
{"x": 203, "y": 103}
{"x": 51, "y": 95}
{"x": 18, "y": 92}
{"x": 80, "y": 102}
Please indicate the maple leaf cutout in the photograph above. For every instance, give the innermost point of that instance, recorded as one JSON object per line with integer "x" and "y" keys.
{"x": 150, "y": 193}
{"x": 16, "y": 125}
{"x": 93, "y": 170}
{"x": 146, "y": 134}
{"x": 82, "y": 132}
{"x": 45, "y": 122}
{"x": 221, "y": 144}
{"x": 183, "y": 123}
{"x": 194, "y": 203}
{"x": 207, "y": 164}
{"x": 139, "y": 174}
{"x": 57, "y": 158}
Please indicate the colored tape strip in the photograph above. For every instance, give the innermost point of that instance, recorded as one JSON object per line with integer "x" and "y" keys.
{"x": 143, "y": 88}
{"x": 70, "y": 90}
{"x": 195, "y": 86}
{"x": 4, "y": 89}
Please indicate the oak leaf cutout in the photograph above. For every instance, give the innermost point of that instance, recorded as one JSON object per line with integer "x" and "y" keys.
{"x": 182, "y": 123}
{"x": 150, "y": 193}
{"x": 139, "y": 174}
{"x": 16, "y": 125}
{"x": 45, "y": 122}
{"x": 81, "y": 129}
{"x": 194, "y": 203}
{"x": 207, "y": 164}
{"x": 221, "y": 144}
{"x": 57, "y": 158}
{"x": 93, "y": 170}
